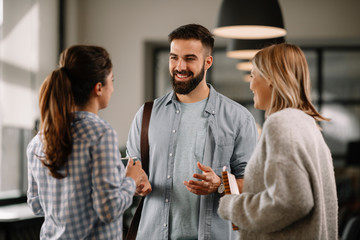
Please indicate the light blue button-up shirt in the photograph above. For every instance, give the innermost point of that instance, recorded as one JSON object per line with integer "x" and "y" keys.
{"x": 230, "y": 140}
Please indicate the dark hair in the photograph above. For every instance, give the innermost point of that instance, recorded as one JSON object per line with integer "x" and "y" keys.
{"x": 194, "y": 31}
{"x": 81, "y": 67}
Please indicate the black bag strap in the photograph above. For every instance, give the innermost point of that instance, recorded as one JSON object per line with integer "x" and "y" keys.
{"x": 144, "y": 149}
{"x": 144, "y": 141}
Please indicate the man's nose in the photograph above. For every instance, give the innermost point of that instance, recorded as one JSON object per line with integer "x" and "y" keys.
{"x": 181, "y": 65}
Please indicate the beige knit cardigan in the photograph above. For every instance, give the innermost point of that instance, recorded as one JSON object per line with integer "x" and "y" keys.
{"x": 289, "y": 185}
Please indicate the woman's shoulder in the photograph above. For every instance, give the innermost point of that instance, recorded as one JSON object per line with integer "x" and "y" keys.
{"x": 91, "y": 124}
{"x": 34, "y": 142}
{"x": 286, "y": 119}
{"x": 290, "y": 123}
{"x": 287, "y": 115}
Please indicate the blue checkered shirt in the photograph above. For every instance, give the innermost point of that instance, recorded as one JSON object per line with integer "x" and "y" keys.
{"x": 90, "y": 201}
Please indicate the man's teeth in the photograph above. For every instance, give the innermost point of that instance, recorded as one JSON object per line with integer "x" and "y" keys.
{"x": 182, "y": 76}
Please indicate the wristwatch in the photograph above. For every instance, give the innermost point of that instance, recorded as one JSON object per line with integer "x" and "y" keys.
{"x": 221, "y": 188}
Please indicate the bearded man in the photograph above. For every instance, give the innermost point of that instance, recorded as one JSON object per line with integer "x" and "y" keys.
{"x": 194, "y": 132}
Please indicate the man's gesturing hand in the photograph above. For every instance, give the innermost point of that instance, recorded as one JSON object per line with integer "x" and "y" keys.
{"x": 208, "y": 181}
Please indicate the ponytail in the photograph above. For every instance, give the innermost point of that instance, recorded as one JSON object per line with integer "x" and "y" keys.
{"x": 56, "y": 108}
{"x": 70, "y": 86}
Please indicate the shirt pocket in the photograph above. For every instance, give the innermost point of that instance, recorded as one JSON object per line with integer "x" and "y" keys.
{"x": 223, "y": 151}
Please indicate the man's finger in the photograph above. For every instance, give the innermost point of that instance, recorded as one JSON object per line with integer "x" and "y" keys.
{"x": 199, "y": 183}
{"x": 204, "y": 168}
{"x": 197, "y": 191}
{"x": 201, "y": 176}
{"x": 196, "y": 185}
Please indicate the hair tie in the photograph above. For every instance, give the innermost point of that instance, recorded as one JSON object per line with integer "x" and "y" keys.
{"x": 66, "y": 71}
{"x": 63, "y": 69}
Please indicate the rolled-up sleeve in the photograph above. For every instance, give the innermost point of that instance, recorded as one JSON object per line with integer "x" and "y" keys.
{"x": 244, "y": 146}
{"x": 133, "y": 143}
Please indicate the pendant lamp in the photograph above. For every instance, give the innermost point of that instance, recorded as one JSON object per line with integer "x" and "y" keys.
{"x": 244, "y": 66}
{"x": 246, "y": 49}
{"x": 250, "y": 19}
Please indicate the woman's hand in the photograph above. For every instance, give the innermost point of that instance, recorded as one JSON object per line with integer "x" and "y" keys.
{"x": 135, "y": 171}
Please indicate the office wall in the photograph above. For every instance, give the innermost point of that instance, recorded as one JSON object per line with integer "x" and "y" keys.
{"x": 122, "y": 27}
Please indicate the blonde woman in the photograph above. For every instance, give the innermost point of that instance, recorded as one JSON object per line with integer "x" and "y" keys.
{"x": 289, "y": 187}
{"x": 76, "y": 178}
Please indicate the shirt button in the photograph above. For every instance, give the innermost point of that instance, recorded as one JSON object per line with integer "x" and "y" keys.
{"x": 174, "y": 131}
{"x": 177, "y": 111}
{"x": 166, "y": 200}
{"x": 169, "y": 176}
{"x": 170, "y": 154}
{"x": 165, "y": 225}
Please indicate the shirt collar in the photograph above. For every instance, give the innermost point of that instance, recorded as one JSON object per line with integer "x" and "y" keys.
{"x": 210, "y": 106}
{"x": 211, "y": 103}
{"x": 78, "y": 115}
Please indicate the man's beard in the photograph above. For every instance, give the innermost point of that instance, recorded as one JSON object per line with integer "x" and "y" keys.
{"x": 185, "y": 87}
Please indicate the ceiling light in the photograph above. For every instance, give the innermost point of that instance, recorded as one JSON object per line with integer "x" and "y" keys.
{"x": 250, "y": 19}
{"x": 246, "y": 49}
{"x": 244, "y": 66}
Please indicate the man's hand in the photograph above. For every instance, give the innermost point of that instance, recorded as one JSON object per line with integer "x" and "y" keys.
{"x": 208, "y": 181}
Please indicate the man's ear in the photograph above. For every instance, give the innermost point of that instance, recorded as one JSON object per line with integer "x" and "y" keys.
{"x": 98, "y": 89}
{"x": 208, "y": 62}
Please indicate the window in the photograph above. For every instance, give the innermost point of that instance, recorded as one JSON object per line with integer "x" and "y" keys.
{"x": 23, "y": 67}
{"x": 17, "y": 92}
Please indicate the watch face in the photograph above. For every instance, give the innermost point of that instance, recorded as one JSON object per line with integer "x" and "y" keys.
{"x": 221, "y": 188}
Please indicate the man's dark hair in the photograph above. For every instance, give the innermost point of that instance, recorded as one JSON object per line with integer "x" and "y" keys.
{"x": 194, "y": 31}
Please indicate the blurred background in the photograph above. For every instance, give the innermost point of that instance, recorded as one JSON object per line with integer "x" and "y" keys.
{"x": 34, "y": 32}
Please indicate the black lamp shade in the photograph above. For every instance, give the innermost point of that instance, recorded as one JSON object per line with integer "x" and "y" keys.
{"x": 250, "y": 19}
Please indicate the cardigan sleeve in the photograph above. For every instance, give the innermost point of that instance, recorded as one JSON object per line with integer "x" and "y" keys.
{"x": 287, "y": 195}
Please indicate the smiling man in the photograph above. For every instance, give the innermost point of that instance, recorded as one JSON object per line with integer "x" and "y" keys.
{"x": 194, "y": 132}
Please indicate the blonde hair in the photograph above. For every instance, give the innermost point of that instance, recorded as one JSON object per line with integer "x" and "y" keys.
{"x": 285, "y": 67}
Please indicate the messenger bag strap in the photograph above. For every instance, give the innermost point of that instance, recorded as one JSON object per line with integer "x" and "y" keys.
{"x": 144, "y": 149}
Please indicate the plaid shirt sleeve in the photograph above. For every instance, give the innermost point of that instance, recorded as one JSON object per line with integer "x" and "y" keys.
{"x": 108, "y": 179}
{"x": 32, "y": 193}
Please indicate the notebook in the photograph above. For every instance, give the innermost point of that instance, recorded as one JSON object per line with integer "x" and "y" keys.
{"x": 230, "y": 185}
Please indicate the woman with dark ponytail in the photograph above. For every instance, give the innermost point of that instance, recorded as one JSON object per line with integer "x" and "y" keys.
{"x": 76, "y": 178}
